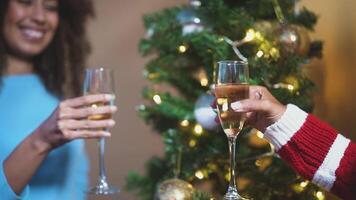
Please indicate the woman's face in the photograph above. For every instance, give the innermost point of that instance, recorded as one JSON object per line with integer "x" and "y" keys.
{"x": 30, "y": 25}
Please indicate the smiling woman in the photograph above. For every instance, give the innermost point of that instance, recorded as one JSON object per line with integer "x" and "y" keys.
{"x": 43, "y": 48}
{"x": 30, "y": 26}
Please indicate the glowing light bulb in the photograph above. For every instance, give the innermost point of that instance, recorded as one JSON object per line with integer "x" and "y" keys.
{"x": 293, "y": 38}
{"x": 290, "y": 87}
{"x": 204, "y": 82}
{"x": 184, "y": 123}
{"x": 320, "y": 195}
{"x": 199, "y": 174}
{"x": 259, "y": 54}
{"x": 250, "y": 35}
{"x": 192, "y": 143}
{"x": 157, "y": 99}
{"x": 198, "y": 129}
{"x": 182, "y": 48}
{"x": 304, "y": 184}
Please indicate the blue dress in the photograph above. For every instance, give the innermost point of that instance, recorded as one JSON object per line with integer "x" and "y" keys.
{"x": 24, "y": 105}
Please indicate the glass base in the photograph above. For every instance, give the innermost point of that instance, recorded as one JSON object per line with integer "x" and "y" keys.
{"x": 232, "y": 194}
{"x": 104, "y": 190}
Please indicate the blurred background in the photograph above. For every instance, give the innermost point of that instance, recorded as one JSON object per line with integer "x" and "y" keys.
{"x": 115, "y": 34}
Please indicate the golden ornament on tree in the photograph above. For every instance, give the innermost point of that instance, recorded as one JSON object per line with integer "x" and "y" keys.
{"x": 174, "y": 189}
{"x": 256, "y": 139}
{"x": 292, "y": 82}
{"x": 293, "y": 39}
{"x": 264, "y": 27}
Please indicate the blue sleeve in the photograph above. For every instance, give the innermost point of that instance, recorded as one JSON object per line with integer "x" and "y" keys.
{"x": 6, "y": 191}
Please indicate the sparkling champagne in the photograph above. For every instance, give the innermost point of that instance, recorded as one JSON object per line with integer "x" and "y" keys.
{"x": 99, "y": 116}
{"x": 231, "y": 121}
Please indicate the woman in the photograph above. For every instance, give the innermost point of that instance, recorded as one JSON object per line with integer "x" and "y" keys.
{"x": 313, "y": 148}
{"x": 43, "y": 47}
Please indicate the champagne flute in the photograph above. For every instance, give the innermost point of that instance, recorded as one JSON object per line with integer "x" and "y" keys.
{"x": 231, "y": 84}
{"x": 100, "y": 80}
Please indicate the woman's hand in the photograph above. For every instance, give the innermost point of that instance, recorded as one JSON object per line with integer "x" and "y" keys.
{"x": 70, "y": 121}
{"x": 262, "y": 109}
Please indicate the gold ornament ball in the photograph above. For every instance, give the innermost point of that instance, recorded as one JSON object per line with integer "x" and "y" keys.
{"x": 292, "y": 80}
{"x": 174, "y": 189}
{"x": 265, "y": 27}
{"x": 293, "y": 39}
{"x": 256, "y": 141}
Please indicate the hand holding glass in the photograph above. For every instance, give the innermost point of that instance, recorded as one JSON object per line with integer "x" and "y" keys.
{"x": 231, "y": 84}
{"x": 96, "y": 81}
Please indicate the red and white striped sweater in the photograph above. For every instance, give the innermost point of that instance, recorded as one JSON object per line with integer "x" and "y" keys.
{"x": 316, "y": 151}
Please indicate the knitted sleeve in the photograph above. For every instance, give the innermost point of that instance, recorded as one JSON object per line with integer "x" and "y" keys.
{"x": 316, "y": 151}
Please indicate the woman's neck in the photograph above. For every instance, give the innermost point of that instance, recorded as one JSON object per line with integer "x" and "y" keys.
{"x": 18, "y": 66}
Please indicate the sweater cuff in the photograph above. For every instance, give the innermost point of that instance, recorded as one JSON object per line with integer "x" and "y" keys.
{"x": 5, "y": 189}
{"x": 283, "y": 130}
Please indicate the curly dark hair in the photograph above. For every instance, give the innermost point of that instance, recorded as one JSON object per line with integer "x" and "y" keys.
{"x": 61, "y": 64}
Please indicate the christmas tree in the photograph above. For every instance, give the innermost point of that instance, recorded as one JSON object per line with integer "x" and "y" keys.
{"x": 185, "y": 43}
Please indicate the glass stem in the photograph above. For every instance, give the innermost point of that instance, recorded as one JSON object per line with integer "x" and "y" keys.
{"x": 232, "y": 150}
{"x": 102, "y": 174}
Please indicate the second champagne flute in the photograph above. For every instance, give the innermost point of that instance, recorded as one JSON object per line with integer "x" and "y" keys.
{"x": 231, "y": 84}
{"x": 100, "y": 81}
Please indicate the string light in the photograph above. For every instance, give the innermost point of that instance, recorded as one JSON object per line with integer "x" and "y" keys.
{"x": 157, "y": 99}
{"x": 182, "y": 48}
{"x": 293, "y": 38}
{"x": 259, "y": 54}
{"x": 198, "y": 129}
{"x": 221, "y": 39}
{"x": 196, "y": 20}
{"x": 201, "y": 75}
{"x": 304, "y": 184}
{"x": 290, "y": 87}
{"x": 199, "y": 174}
{"x": 320, "y": 195}
{"x": 192, "y": 143}
{"x": 204, "y": 82}
{"x": 184, "y": 123}
{"x": 250, "y": 35}
{"x": 284, "y": 86}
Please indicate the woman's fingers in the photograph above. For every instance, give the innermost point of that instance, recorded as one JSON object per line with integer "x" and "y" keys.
{"x": 85, "y": 112}
{"x": 251, "y": 105}
{"x": 87, "y": 100}
{"x": 71, "y": 124}
{"x": 84, "y": 134}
